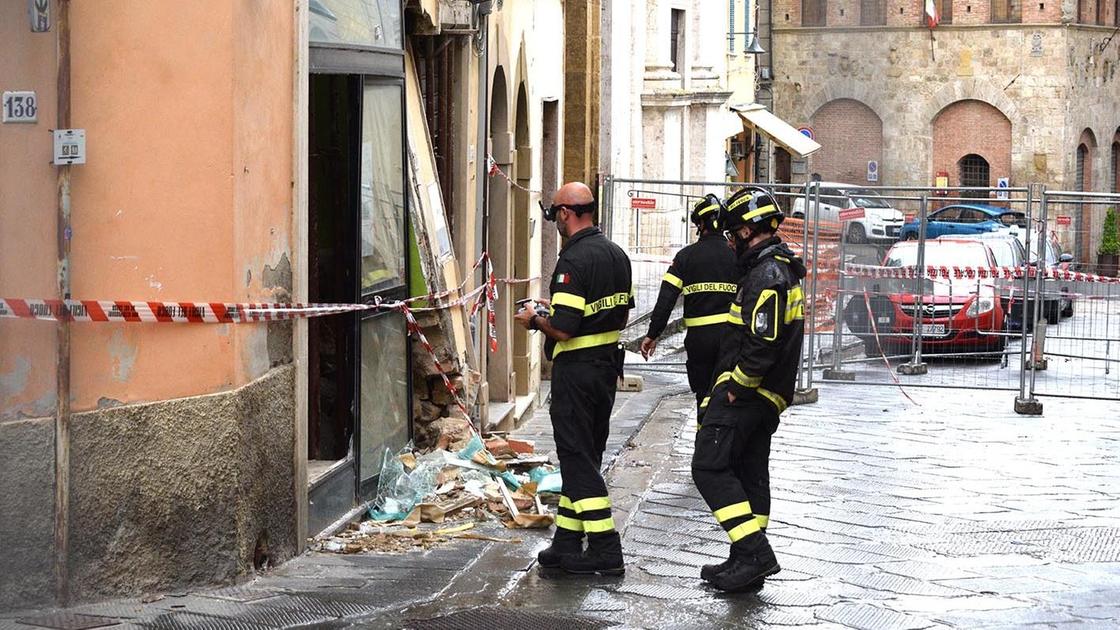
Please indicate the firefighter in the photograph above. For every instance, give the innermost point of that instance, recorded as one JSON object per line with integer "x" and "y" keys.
{"x": 705, "y": 273}
{"x": 591, "y": 301}
{"x": 754, "y": 383}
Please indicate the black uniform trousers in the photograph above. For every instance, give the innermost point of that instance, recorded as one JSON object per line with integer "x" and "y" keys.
{"x": 702, "y": 345}
{"x": 731, "y": 463}
{"x": 583, "y": 394}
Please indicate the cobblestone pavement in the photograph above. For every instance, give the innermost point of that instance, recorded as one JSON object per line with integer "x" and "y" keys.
{"x": 954, "y": 513}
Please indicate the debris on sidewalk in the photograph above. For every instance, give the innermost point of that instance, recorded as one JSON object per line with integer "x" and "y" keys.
{"x": 425, "y": 498}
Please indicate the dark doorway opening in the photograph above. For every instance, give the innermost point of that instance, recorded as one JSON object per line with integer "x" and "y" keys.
{"x": 333, "y": 170}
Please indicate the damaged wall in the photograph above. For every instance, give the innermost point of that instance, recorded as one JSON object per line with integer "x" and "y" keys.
{"x": 182, "y": 450}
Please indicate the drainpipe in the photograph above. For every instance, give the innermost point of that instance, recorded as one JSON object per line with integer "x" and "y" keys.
{"x": 62, "y": 356}
{"x": 481, "y": 180}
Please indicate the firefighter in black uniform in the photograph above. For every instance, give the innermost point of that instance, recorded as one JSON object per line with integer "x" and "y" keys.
{"x": 591, "y": 301}
{"x": 754, "y": 383}
{"x": 705, "y": 273}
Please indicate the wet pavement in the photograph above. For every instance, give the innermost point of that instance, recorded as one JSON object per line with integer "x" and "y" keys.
{"x": 954, "y": 512}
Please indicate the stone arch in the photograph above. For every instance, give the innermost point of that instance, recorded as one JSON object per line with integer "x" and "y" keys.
{"x": 971, "y": 127}
{"x": 497, "y": 220}
{"x": 850, "y": 134}
{"x": 974, "y": 90}
{"x": 837, "y": 89}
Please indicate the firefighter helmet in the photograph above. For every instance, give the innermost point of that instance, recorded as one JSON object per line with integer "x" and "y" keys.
{"x": 707, "y": 212}
{"x": 752, "y": 207}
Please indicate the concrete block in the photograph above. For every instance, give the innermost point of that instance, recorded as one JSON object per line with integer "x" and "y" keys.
{"x": 806, "y": 396}
{"x": 913, "y": 369}
{"x": 831, "y": 374}
{"x": 631, "y": 383}
{"x": 1028, "y": 406}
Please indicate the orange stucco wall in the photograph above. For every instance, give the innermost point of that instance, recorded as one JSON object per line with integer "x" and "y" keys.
{"x": 186, "y": 193}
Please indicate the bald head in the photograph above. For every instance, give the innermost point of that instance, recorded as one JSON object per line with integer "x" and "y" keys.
{"x": 573, "y": 193}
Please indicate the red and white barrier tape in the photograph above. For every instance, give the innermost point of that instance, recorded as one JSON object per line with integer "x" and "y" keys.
{"x": 934, "y": 272}
{"x": 493, "y": 169}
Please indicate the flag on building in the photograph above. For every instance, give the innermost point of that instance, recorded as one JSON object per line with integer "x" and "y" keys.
{"x": 933, "y": 16}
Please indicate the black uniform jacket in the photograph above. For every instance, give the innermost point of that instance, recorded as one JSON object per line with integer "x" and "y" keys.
{"x": 592, "y": 295}
{"x": 762, "y": 343}
{"x": 705, "y": 272}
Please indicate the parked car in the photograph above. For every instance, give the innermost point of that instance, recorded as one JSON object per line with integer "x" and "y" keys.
{"x": 880, "y": 222}
{"x": 963, "y": 219}
{"x": 957, "y": 315}
{"x": 1052, "y": 257}
{"x": 1008, "y": 251}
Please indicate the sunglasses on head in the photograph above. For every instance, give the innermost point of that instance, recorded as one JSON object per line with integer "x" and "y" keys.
{"x": 549, "y": 212}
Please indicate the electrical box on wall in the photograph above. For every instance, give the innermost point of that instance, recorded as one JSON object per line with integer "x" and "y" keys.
{"x": 69, "y": 146}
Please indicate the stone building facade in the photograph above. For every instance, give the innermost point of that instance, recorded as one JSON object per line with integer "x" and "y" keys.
{"x": 995, "y": 90}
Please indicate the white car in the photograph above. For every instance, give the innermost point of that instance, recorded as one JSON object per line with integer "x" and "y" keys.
{"x": 880, "y": 222}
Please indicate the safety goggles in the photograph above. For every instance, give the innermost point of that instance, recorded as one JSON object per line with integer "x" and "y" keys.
{"x": 549, "y": 212}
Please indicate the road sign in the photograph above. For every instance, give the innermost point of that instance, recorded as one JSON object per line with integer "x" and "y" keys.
{"x": 807, "y": 132}
{"x": 643, "y": 203}
{"x": 872, "y": 171}
{"x": 1003, "y": 184}
{"x": 850, "y": 214}
{"x": 1064, "y": 220}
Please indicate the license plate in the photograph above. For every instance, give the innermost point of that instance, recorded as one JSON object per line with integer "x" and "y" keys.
{"x": 933, "y": 329}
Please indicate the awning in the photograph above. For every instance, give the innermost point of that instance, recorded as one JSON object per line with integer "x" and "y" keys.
{"x": 729, "y": 123}
{"x": 776, "y": 129}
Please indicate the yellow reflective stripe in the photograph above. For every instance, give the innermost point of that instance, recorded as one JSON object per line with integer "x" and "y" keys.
{"x": 706, "y": 209}
{"x": 594, "y": 503}
{"x": 586, "y": 341}
{"x": 567, "y": 299}
{"x": 733, "y": 511}
{"x": 704, "y": 403}
{"x": 782, "y": 258}
{"x": 763, "y": 520}
{"x": 795, "y": 304}
{"x": 744, "y": 380}
{"x": 743, "y": 530}
{"x": 735, "y": 309}
{"x": 757, "y": 212}
{"x": 569, "y": 523}
{"x": 599, "y": 526}
{"x": 671, "y": 279}
{"x": 735, "y": 314}
{"x": 611, "y": 301}
{"x": 722, "y": 378}
{"x": 766, "y": 294}
{"x": 565, "y": 502}
{"x": 778, "y": 401}
{"x": 735, "y": 320}
{"x": 710, "y": 287}
{"x": 707, "y": 320}
{"x": 738, "y": 202}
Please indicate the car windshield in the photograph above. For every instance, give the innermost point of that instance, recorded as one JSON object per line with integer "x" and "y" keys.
{"x": 865, "y": 198}
{"x": 938, "y": 254}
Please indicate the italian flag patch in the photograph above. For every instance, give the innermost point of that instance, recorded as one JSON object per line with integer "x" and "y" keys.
{"x": 563, "y": 278}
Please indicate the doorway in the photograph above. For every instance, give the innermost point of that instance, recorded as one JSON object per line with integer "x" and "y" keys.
{"x": 975, "y": 172}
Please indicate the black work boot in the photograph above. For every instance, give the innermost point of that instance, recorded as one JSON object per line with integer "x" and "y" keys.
{"x": 564, "y": 542}
{"x": 708, "y": 571}
{"x": 752, "y": 559}
{"x": 603, "y": 556}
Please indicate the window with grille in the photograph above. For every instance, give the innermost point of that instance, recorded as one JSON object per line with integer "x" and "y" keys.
{"x": 1007, "y": 11}
{"x": 814, "y": 12}
{"x": 945, "y": 7}
{"x": 873, "y": 12}
{"x": 974, "y": 172}
{"x": 1079, "y": 170}
{"x": 1115, "y": 166}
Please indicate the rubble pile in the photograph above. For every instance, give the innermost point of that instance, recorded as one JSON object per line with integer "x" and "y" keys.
{"x": 428, "y": 497}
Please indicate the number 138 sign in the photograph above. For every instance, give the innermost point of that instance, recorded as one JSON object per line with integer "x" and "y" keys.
{"x": 19, "y": 107}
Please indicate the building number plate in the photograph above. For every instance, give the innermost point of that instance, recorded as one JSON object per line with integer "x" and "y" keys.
{"x": 20, "y": 107}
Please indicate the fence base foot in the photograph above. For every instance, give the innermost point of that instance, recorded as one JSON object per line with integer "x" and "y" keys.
{"x": 838, "y": 375}
{"x": 911, "y": 369}
{"x": 1028, "y": 406}
{"x": 806, "y": 396}
{"x": 1036, "y": 365}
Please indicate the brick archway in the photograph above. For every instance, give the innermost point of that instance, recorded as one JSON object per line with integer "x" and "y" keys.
{"x": 850, "y": 134}
{"x": 971, "y": 127}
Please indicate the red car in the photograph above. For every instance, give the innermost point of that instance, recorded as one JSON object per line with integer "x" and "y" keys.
{"x": 957, "y": 314}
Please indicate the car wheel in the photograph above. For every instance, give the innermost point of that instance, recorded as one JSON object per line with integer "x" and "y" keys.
{"x": 857, "y": 233}
{"x": 870, "y": 348}
{"x": 1068, "y": 311}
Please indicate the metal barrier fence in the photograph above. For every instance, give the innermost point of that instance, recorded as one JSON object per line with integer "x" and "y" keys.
{"x": 919, "y": 287}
